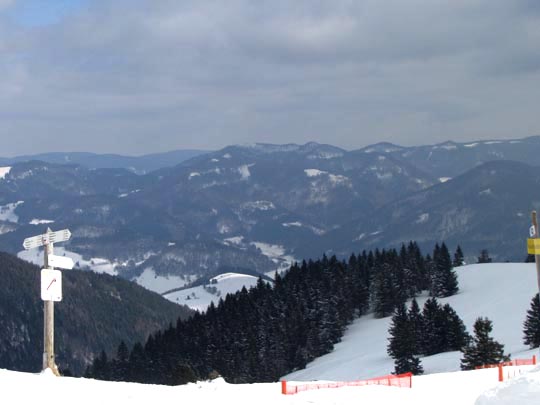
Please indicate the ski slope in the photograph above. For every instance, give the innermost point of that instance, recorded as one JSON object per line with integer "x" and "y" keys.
{"x": 500, "y": 291}
{"x": 462, "y": 388}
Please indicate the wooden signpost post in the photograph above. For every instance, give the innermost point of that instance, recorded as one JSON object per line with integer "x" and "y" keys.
{"x": 51, "y": 287}
{"x": 533, "y": 246}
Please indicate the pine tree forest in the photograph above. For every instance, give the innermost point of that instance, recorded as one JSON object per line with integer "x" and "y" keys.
{"x": 261, "y": 334}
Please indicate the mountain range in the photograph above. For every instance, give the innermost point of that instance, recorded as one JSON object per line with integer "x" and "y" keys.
{"x": 259, "y": 207}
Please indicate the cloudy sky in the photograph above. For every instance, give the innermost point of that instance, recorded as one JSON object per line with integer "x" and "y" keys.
{"x": 141, "y": 76}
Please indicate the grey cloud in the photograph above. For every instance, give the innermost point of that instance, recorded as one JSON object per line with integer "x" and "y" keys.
{"x": 121, "y": 75}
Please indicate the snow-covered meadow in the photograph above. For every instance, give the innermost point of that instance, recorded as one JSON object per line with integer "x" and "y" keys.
{"x": 464, "y": 388}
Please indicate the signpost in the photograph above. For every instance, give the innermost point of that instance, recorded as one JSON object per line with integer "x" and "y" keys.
{"x": 51, "y": 286}
{"x": 533, "y": 247}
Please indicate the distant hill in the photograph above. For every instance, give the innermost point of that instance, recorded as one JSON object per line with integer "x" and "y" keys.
{"x": 486, "y": 207}
{"x": 137, "y": 164}
{"x": 264, "y": 206}
{"x": 97, "y": 312}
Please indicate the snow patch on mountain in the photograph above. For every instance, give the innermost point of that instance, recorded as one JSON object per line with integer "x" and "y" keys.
{"x": 422, "y": 218}
{"x": 337, "y": 179}
{"x": 200, "y": 297}
{"x": 289, "y": 224}
{"x": 157, "y": 283}
{"x": 325, "y": 155}
{"x": 227, "y": 156}
{"x": 446, "y": 146}
{"x": 36, "y": 221}
{"x": 96, "y": 264}
{"x": 260, "y": 205}
{"x": 244, "y": 171}
{"x": 276, "y": 253}
{"x": 223, "y": 228}
{"x": 7, "y": 227}
{"x": 314, "y": 172}
{"x": 234, "y": 241}
{"x": 444, "y": 179}
{"x": 4, "y": 171}
{"x": 7, "y": 212}
{"x": 487, "y": 191}
{"x": 194, "y": 174}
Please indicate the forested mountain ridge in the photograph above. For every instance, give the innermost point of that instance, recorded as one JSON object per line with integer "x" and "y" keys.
{"x": 97, "y": 312}
{"x": 263, "y": 206}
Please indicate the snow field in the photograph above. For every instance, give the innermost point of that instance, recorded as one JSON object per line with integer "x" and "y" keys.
{"x": 464, "y": 388}
{"x": 199, "y": 298}
{"x": 500, "y": 291}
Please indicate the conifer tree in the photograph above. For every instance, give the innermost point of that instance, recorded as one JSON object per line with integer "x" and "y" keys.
{"x": 458, "y": 257}
{"x": 531, "y": 326}
{"x": 433, "y": 333}
{"x": 444, "y": 281}
{"x": 483, "y": 349}
{"x": 402, "y": 343}
{"x": 455, "y": 332}
{"x": 416, "y": 321}
{"x": 484, "y": 257}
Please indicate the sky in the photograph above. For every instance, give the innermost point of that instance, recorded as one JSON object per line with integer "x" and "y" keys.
{"x": 145, "y": 76}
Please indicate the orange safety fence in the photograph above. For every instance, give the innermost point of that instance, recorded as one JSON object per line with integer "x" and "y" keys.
{"x": 401, "y": 380}
{"x": 515, "y": 362}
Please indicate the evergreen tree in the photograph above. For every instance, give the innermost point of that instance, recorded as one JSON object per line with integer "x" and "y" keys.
{"x": 483, "y": 349}
{"x": 402, "y": 343}
{"x": 455, "y": 333}
{"x": 444, "y": 281}
{"x": 120, "y": 364}
{"x": 399, "y": 332}
{"x": 531, "y": 326}
{"x": 530, "y": 259}
{"x": 416, "y": 321}
{"x": 484, "y": 257}
{"x": 383, "y": 299}
{"x": 458, "y": 257}
{"x": 432, "y": 338}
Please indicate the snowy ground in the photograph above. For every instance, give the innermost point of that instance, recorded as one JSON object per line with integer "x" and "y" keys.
{"x": 199, "y": 298}
{"x": 7, "y": 212}
{"x": 151, "y": 281}
{"x": 463, "y": 388}
{"x": 500, "y": 291}
{"x": 4, "y": 172}
{"x": 99, "y": 265}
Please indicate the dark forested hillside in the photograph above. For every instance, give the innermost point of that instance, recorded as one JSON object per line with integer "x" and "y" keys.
{"x": 97, "y": 312}
{"x": 268, "y": 331}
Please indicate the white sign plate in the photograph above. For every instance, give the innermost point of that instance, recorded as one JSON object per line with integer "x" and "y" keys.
{"x": 61, "y": 262}
{"x": 51, "y": 285}
{"x": 46, "y": 238}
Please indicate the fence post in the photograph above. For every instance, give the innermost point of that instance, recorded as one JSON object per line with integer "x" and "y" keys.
{"x": 501, "y": 377}
{"x": 284, "y": 387}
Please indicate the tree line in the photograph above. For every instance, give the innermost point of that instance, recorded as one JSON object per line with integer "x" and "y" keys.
{"x": 270, "y": 330}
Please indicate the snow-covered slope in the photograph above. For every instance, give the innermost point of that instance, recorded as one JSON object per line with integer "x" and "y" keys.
{"x": 199, "y": 298}
{"x": 500, "y": 291}
{"x": 461, "y": 388}
{"x": 4, "y": 171}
